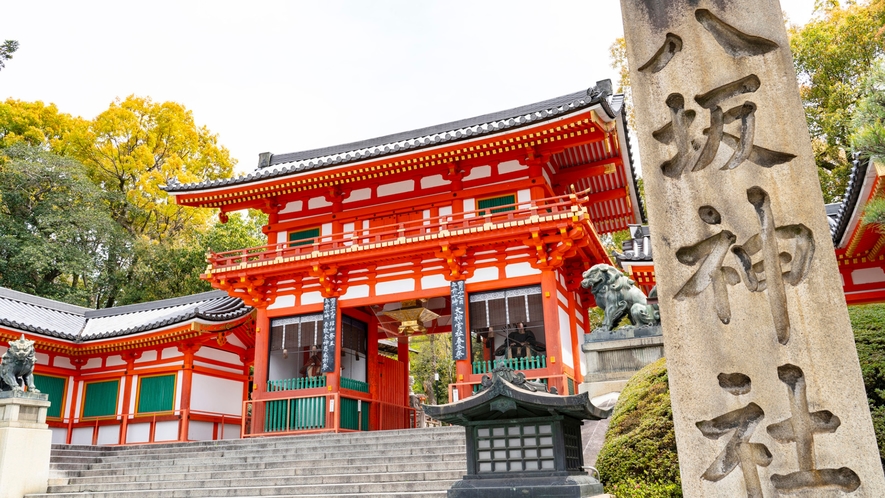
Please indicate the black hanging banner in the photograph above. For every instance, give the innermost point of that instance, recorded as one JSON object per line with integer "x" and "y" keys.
{"x": 330, "y": 326}
{"x": 459, "y": 322}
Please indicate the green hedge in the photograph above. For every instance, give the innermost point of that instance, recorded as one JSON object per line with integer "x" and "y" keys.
{"x": 638, "y": 458}
{"x": 868, "y": 323}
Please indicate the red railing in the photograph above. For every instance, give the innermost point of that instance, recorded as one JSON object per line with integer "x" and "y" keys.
{"x": 443, "y": 225}
{"x": 219, "y": 421}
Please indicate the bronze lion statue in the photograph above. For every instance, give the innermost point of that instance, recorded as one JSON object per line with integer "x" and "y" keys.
{"x": 18, "y": 366}
{"x": 618, "y": 296}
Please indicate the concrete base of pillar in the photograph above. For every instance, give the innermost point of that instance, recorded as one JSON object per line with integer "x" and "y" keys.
{"x": 25, "y": 444}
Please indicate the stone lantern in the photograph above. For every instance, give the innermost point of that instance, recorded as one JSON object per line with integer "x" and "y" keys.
{"x": 522, "y": 441}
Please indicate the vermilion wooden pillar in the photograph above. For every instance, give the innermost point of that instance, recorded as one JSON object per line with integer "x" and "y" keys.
{"x": 187, "y": 377}
{"x": 130, "y": 358}
{"x": 551, "y": 327}
{"x": 259, "y": 374}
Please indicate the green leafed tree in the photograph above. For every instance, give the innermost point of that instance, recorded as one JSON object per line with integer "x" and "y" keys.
{"x": 833, "y": 54}
{"x": 173, "y": 267}
{"x": 7, "y": 48}
{"x": 54, "y": 226}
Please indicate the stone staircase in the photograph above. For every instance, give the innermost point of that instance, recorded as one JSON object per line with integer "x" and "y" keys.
{"x": 417, "y": 463}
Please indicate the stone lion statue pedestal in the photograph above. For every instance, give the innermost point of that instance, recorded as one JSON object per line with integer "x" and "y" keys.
{"x": 25, "y": 438}
{"x": 613, "y": 354}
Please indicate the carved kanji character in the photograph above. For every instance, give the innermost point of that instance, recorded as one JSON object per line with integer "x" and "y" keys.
{"x": 800, "y": 429}
{"x": 709, "y": 255}
{"x": 766, "y": 243}
{"x": 739, "y": 450}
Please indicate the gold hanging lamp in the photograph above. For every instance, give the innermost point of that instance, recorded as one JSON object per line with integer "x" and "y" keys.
{"x": 412, "y": 315}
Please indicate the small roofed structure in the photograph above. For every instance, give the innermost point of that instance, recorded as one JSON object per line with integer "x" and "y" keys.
{"x": 522, "y": 441}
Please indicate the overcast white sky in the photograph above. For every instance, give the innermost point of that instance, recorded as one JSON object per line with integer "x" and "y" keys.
{"x": 287, "y": 76}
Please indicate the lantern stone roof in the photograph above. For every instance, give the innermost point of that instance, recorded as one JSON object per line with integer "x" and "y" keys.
{"x": 27, "y": 313}
{"x": 507, "y": 395}
{"x": 279, "y": 165}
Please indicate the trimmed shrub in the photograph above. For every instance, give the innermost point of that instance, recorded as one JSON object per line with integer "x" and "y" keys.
{"x": 868, "y": 322}
{"x": 638, "y": 458}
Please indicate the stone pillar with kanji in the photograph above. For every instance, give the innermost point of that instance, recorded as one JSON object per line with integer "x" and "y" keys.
{"x": 766, "y": 387}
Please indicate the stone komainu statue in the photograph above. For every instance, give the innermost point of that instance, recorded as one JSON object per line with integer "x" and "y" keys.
{"x": 18, "y": 366}
{"x": 618, "y": 296}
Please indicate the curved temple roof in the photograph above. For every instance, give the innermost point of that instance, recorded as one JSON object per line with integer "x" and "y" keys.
{"x": 29, "y": 313}
{"x": 525, "y": 404}
{"x": 274, "y": 166}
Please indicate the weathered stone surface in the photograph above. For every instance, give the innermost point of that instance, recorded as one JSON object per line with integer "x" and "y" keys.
{"x": 765, "y": 383}
{"x": 25, "y": 443}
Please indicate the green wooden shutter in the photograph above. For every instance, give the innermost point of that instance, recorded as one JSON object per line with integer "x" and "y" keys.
{"x": 303, "y": 237}
{"x": 156, "y": 393}
{"x": 101, "y": 398}
{"x": 55, "y": 388}
{"x": 504, "y": 200}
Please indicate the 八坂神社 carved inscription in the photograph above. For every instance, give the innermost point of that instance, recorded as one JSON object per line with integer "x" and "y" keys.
{"x": 715, "y": 84}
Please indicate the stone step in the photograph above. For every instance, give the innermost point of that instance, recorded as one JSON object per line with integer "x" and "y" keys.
{"x": 80, "y": 456}
{"x": 274, "y": 482}
{"x": 420, "y": 463}
{"x": 340, "y": 438}
{"x": 410, "y": 488}
{"x": 458, "y": 465}
{"x": 307, "y": 458}
{"x": 380, "y": 449}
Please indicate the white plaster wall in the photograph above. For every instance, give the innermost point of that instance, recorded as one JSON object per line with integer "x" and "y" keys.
{"x": 524, "y": 198}
{"x": 318, "y": 202}
{"x": 311, "y": 298}
{"x": 79, "y": 404}
{"x": 353, "y": 369}
{"x": 282, "y": 302}
{"x": 433, "y": 281}
{"x": 114, "y": 361}
{"x": 357, "y": 291}
{"x": 138, "y": 433}
{"x": 179, "y": 380}
{"x": 81, "y": 435}
{"x": 108, "y": 434}
{"x": 219, "y": 355}
{"x": 520, "y": 270}
{"x": 147, "y": 356}
{"x": 469, "y": 205}
{"x": 212, "y": 394}
{"x": 69, "y": 396}
{"x": 326, "y": 230}
{"x": 92, "y": 363}
{"x": 281, "y": 237}
{"x": 60, "y": 361}
{"x": 359, "y": 195}
{"x": 59, "y": 435}
{"x": 41, "y": 358}
{"x": 170, "y": 353}
{"x": 217, "y": 367}
{"x": 445, "y": 211}
{"x": 135, "y": 390}
{"x": 565, "y": 337}
{"x": 291, "y": 207}
{"x": 483, "y": 275}
{"x": 479, "y": 172}
{"x": 166, "y": 431}
{"x": 396, "y": 188}
{"x": 232, "y": 339}
{"x": 433, "y": 181}
{"x": 510, "y": 167}
{"x": 867, "y": 276}
{"x": 231, "y": 431}
{"x": 394, "y": 286}
{"x": 200, "y": 431}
